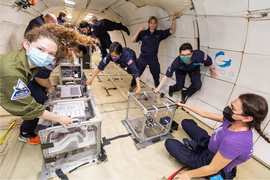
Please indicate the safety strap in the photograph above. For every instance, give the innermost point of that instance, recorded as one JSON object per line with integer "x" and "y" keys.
{"x": 108, "y": 141}
{"x": 172, "y": 176}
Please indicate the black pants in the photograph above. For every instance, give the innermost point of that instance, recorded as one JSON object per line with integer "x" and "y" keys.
{"x": 200, "y": 155}
{"x": 39, "y": 94}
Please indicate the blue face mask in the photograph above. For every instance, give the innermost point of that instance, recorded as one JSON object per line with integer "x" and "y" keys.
{"x": 115, "y": 59}
{"x": 185, "y": 59}
{"x": 38, "y": 58}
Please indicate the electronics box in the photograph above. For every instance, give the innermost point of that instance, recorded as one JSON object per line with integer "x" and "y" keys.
{"x": 75, "y": 146}
{"x": 143, "y": 121}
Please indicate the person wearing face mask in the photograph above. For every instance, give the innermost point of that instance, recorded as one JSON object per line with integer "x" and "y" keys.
{"x": 99, "y": 29}
{"x": 40, "y": 85}
{"x": 188, "y": 62}
{"x": 151, "y": 39}
{"x": 40, "y": 47}
{"x": 230, "y": 144}
{"x": 125, "y": 57}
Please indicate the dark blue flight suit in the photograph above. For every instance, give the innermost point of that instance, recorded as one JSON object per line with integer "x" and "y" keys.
{"x": 37, "y": 22}
{"x": 193, "y": 70}
{"x": 99, "y": 30}
{"x": 59, "y": 21}
{"x": 199, "y": 155}
{"x": 149, "y": 51}
{"x": 38, "y": 93}
{"x": 127, "y": 59}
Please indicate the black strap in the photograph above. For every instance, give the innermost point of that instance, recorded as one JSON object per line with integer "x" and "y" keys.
{"x": 78, "y": 167}
{"x": 107, "y": 141}
{"x": 61, "y": 174}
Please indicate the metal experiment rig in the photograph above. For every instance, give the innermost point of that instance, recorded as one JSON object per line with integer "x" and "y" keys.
{"x": 78, "y": 145}
{"x": 151, "y": 122}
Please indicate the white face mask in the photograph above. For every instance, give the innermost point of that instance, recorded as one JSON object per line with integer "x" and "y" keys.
{"x": 38, "y": 58}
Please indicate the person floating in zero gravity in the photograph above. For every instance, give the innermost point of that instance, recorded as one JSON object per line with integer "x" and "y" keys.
{"x": 231, "y": 144}
{"x": 40, "y": 20}
{"x": 100, "y": 30}
{"x": 151, "y": 39}
{"x": 62, "y": 18}
{"x": 122, "y": 56}
{"x": 40, "y": 47}
{"x": 188, "y": 62}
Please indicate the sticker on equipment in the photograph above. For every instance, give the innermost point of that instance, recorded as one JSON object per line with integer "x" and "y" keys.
{"x": 20, "y": 91}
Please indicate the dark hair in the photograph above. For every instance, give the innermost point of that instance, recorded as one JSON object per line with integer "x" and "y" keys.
{"x": 116, "y": 47}
{"x": 83, "y": 24}
{"x": 185, "y": 46}
{"x": 255, "y": 106}
{"x": 62, "y": 14}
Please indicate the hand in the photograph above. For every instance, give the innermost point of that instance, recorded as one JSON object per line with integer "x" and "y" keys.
{"x": 142, "y": 29}
{"x": 174, "y": 16}
{"x": 50, "y": 89}
{"x": 156, "y": 90}
{"x": 179, "y": 104}
{"x": 183, "y": 176}
{"x": 89, "y": 81}
{"x": 213, "y": 73}
{"x": 65, "y": 120}
{"x": 138, "y": 91}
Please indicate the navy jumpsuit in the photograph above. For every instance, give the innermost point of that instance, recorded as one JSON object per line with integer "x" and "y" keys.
{"x": 99, "y": 30}
{"x": 37, "y": 22}
{"x": 127, "y": 59}
{"x": 193, "y": 70}
{"x": 149, "y": 51}
{"x": 38, "y": 93}
{"x": 59, "y": 21}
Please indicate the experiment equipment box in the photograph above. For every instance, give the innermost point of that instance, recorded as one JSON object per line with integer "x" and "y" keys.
{"x": 70, "y": 73}
{"x": 146, "y": 123}
{"x": 66, "y": 149}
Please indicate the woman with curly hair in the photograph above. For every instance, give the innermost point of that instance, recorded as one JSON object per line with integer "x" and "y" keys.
{"x": 230, "y": 144}
{"x": 40, "y": 47}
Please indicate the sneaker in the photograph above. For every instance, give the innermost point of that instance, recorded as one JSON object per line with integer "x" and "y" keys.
{"x": 30, "y": 138}
{"x": 170, "y": 91}
{"x": 186, "y": 143}
{"x": 184, "y": 96}
{"x": 131, "y": 88}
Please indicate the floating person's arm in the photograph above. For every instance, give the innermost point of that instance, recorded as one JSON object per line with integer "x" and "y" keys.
{"x": 138, "y": 90}
{"x": 89, "y": 81}
{"x": 134, "y": 39}
{"x": 164, "y": 79}
{"x": 213, "y": 71}
{"x": 172, "y": 30}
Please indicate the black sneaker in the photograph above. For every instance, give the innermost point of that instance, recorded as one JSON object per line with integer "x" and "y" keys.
{"x": 170, "y": 91}
{"x": 184, "y": 96}
{"x": 186, "y": 143}
{"x": 131, "y": 88}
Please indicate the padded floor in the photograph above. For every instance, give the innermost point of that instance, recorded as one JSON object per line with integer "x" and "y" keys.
{"x": 124, "y": 161}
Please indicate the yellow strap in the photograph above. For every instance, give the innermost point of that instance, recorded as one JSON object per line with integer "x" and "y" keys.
{"x": 3, "y": 138}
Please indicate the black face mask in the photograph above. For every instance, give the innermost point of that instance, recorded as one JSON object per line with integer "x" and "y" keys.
{"x": 227, "y": 113}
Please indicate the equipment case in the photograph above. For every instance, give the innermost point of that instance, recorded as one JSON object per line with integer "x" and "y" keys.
{"x": 145, "y": 126}
{"x": 77, "y": 145}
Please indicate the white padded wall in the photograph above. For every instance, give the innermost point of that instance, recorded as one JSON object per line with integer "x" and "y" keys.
{"x": 238, "y": 46}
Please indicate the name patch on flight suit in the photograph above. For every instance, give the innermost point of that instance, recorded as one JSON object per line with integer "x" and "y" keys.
{"x": 156, "y": 36}
{"x": 20, "y": 91}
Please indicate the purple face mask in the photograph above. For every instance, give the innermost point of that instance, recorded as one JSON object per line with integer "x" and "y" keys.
{"x": 115, "y": 59}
